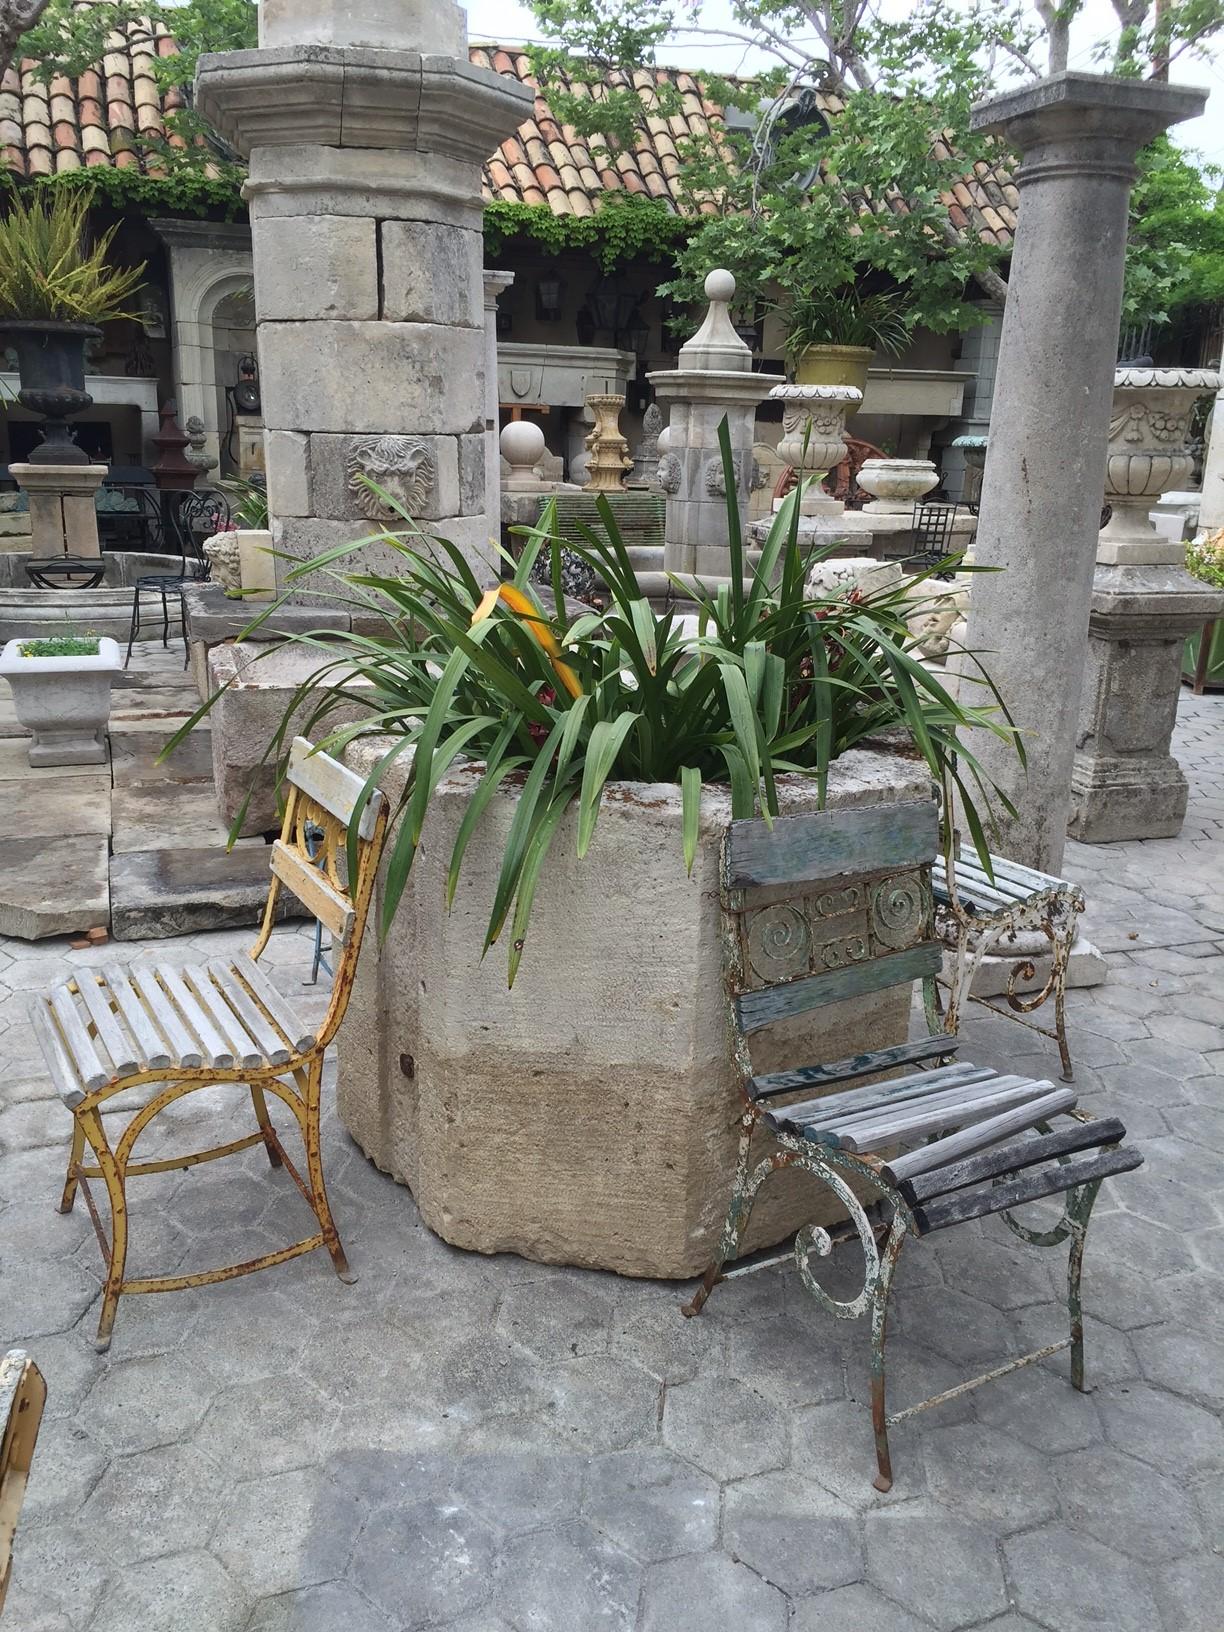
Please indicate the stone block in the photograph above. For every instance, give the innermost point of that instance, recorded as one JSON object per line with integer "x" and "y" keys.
{"x": 166, "y": 816}
{"x": 287, "y": 467}
{"x": 54, "y": 886}
{"x": 473, "y": 475}
{"x": 432, "y": 273}
{"x": 56, "y": 806}
{"x": 585, "y": 1156}
{"x": 316, "y": 266}
{"x": 401, "y": 185}
{"x": 136, "y": 758}
{"x": 402, "y": 25}
{"x": 348, "y": 377}
{"x": 159, "y": 893}
{"x": 333, "y": 459}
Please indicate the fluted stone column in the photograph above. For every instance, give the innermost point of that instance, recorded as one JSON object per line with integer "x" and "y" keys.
{"x": 366, "y": 128}
{"x": 1078, "y": 135}
{"x": 714, "y": 380}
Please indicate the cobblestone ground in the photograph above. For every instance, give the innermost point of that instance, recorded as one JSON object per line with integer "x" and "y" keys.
{"x": 486, "y": 1445}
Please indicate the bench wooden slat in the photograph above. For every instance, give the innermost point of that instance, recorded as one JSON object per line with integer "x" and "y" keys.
{"x": 980, "y": 1135}
{"x": 1052, "y": 1180}
{"x": 757, "y": 1009}
{"x": 152, "y": 1046}
{"x": 879, "y": 1096}
{"x": 124, "y": 1054}
{"x": 805, "y": 849}
{"x": 982, "y": 1084}
{"x": 1027, "y": 879}
{"x": 238, "y": 1040}
{"x": 919, "y": 1119}
{"x": 270, "y": 1044}
{"x": 332, "y": 785}
{"x": 1010, "y": 1158}
{"x": 216, "y": 1049}
{"x": 333, "y": 910}
{"x": 981, "y": 895}
{"x": 296, "y": 1033}
{"x": 80, "y": 1045}
{"x": 184, "y": 1051}
{"x": 68, "y": 1085}
{"x": 855, "y": 1065}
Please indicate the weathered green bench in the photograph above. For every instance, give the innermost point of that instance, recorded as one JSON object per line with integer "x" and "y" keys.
{"x": 822, "y": 908}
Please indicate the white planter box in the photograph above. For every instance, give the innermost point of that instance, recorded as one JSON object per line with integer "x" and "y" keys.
{"x": 63, "y": 701}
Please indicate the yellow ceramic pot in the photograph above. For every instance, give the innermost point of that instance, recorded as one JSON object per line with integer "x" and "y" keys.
{"x": 834, "y": 365}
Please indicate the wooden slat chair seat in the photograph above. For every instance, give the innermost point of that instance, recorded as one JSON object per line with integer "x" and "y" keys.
{"x": 223, "y": 1021}
{"x": 909, "y": 1138}
{"x": 976, "y": 914}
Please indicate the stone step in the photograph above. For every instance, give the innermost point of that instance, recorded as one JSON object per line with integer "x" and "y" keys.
{"x": 159, "y": 893}
{"x": 54, "y": 886}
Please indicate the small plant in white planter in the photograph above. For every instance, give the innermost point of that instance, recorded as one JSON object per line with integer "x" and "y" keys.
{"x": 62, "y": 693}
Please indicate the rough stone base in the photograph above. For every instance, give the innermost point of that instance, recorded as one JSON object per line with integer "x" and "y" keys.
{"x": 1114, "y": 799}
{"x": 1086, "y": 968}
{"x": 67, "y": 748}
{"x": 156, "y": 893}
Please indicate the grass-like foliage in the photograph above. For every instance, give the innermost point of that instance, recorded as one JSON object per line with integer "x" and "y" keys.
{"x": 49, "y": 269}
{"x": 62, "y": 646}
{"x": 556, "y": 706}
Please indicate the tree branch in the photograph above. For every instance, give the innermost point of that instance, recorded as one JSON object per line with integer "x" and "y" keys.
{"x": 16, "y": 16}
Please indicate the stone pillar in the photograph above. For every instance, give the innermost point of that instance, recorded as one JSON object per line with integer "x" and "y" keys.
{"x": 1125, "y": 783}
{"x": 63, "y": 515}
{"x": 494, "y": 283}
{"x": 714, "y": 380}
{"x": 366, "y": 128}
{"x": 1211, "y": 506}
{"x": 1078, "y": 135}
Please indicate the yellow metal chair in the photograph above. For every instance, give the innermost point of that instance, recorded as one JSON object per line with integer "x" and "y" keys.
{"x": 23, "y": 1395}
{"x": 219, "y": 1022}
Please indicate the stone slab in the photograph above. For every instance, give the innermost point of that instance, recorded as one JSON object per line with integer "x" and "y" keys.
{"x": 54, "y": 886}
{"x": 134, "y": 758}
{"x": 15, "y": 765}
{"x": 167, "y": 816}
{"x": 53, "y": 807}
{"x": 1086, "y": 968}
{"x": 157, "y": 893}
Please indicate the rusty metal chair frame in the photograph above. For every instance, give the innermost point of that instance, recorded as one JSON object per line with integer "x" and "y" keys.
{"x": 879, "y": 1217}
{"x": 318, "y": 881}
{"x": 23, "y": 1396}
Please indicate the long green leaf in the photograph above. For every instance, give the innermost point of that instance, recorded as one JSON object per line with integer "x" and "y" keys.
{"x": 602, "y": 749}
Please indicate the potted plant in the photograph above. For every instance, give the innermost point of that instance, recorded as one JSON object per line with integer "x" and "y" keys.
{"x": 62, "y": 692}
{"x": 831, "y": 339}
{"x": 55, "y": 289}
{"x": 560, "y": 785}
{"x": 1203, "y": 656}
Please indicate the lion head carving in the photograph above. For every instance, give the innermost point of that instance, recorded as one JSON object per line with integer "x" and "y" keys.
{"x": 402, "y": 466}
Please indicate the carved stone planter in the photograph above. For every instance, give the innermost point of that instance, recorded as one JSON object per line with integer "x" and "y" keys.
{"x": 896, "y": 485}
{"x": 64, "y": 701}
{"x": 813, "y": 435}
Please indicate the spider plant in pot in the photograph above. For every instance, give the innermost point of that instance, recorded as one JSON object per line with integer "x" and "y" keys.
{"x": 548, "y": 707}
{"x": 831, "y": 338}
{"x": 56, "y": 287}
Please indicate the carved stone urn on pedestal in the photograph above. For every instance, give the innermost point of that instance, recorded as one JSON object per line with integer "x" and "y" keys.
{"x": 1125, "y": 783}
{"x": 896, "y": 485}
{"x": 813, "y": 436}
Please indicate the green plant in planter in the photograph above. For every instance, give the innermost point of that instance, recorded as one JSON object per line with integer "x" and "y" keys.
{"x": 772, "y": 682}
{"x": 876, "y": 322}
{"x": 62, "y": 646}
{"x": 51, "y": 272}
{"x": 251, "y": 504}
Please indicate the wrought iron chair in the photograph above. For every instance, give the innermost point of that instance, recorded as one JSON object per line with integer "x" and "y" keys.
{"x": 195, "y": 515}
{"x": 838, "y": 905}
{"x": 221, "y": 1022}
{"x": 933, "y": 528}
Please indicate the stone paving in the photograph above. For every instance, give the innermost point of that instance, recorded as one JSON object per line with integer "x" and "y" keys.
{"x": 489, "y": 1445}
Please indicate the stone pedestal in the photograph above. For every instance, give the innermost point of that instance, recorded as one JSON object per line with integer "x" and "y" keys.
{"x": 607, "y": 451}
{"x": 63, "y": 518}
{"x": 1078, "y": 135}
{"x": 814, "y": 438}
{"x": 366, "y": 129}
{"x": 714, "y": 381}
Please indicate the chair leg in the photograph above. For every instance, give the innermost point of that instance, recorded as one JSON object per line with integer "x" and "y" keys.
{"x": 165, "y": 620}
{"x": 1079, "y": 1210}
{"x": 1058, "y": 975}
{"x": 116, "y": 1261}
{"x": 260, "y": 1102}
{"x": 743, "y": 1199}
{"x": 879, "y": 1331}
{"x": 134, "y": 627}
{"x": 314, "y": 1167}
{"x": 68, "y": 1199}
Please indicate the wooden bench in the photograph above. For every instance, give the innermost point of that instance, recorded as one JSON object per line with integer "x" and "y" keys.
{"x": 823, "y": 908}
{"x": 104, "y": 1031}
{"x": 978, "y": 915}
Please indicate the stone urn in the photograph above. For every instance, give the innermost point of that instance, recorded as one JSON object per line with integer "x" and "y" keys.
{"x": 835, "y": 365}
{"x": 64, "y": 701}
{"x": 813, "y": 434}
{"x": 1148, "y": 455}
{"x": 51, "y": 364}
{"x": 896, "y": 485}
{"x": 607, "y": 449}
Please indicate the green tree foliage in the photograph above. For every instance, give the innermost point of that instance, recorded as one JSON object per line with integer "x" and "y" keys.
{"x": 1175, "y": 257}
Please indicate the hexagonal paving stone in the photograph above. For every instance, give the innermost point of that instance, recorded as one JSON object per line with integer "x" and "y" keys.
{"x": 56, "y": 1570}
{"x": 651, "y": 1504}
{"x": 156, "y": 1502}
{"x": 1073, "y": 1584}
{"x": 571, "y": 1577}
{"x": 854, "y": 1609}
{"x": 514, "y": 1493}
{"x": 177, "y": 1594}
{"x": 778, "y": 1358}
{"x": 792, "y": 1533}
{"x": 139, "y": 1404}
{"x": 292, "y": 1421}
{"x": 425, "y": 1563}
{"x": 41, "y": 1299}
{"x": 645, "y": 1330}
{"x": 1192, "y": 1590}
{"x": 68, "y": 1465}
{"x": 695, "y": 1594}
{"x": 1168, "y": 1433}
{"x": 725, "y": 1428}
{"x": 833, "y": 1447}
{"x": 963, "y": 1329}
{"x": 998, "y": 1271}
{"x": 288, "y": 1531}
{"x": 935, "y": 1566}
{"x": 1040, "y": 1409}
{"x": 556, "y": 1319}
{"x": 981, "y": 1473}
{"x": 1126, "y": 1505}
{"x": 600, "y": 1403}
{"x": 334, "y": 1607}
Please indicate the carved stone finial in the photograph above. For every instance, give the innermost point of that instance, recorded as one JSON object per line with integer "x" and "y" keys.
{"x": 402, "y": 466}
{"x": 716, "y": 345}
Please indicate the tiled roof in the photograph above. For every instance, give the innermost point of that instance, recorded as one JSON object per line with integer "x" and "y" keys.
{"x": 66, "y": 125}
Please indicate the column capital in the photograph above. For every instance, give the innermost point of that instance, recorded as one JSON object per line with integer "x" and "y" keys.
{"x": 1099, "y": 119}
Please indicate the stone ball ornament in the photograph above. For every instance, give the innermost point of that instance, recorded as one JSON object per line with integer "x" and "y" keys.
{"x": 522, "y": 442}
{"x": 720, "y": 285}
{"x": 402, "y": 466}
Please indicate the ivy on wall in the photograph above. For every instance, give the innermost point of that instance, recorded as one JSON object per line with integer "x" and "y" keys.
{"x": 623, "y": 229}
{"x": 182, "y": 192}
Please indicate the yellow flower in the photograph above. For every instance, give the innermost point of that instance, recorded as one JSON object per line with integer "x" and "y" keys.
{"x": 525, "y": 608}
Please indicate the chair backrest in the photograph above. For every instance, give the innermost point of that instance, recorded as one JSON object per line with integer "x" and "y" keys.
{"x": 310, "y": 858}
{"x": 828, "y": 906}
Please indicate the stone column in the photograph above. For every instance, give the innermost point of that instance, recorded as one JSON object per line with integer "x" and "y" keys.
{"x": 714, "y": 380}
{"x": 1211, "y": 507}
{"x": 1125, "y": 783}
{"x": 366, "y": 129}
{"x": 63, "y": 512}
{"x": 1078, "y": 135}
{"x": 494, "y": 283}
